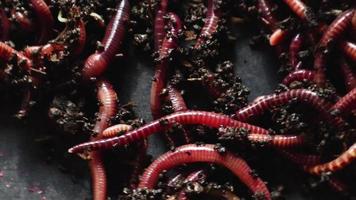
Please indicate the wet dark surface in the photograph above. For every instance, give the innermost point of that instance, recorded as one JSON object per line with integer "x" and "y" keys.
{"x": 27, "y": 171}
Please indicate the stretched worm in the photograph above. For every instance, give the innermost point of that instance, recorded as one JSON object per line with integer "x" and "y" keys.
{"x": 80, "y": 43}
{"x": 278, "y": 141}
{"x": 160, "y": 76}
{"x": 346, "y": 104}
{"x": 192, "y": 153}
{"x": 349, "y": 77}
{"x": 108, "y": 101}
{"x": 301, "y": 95}
{"x": 299, "y": 75}
{"x": 7, "y": 53}
{"x": 349, "y": 49}
{"x": 211, "y": 24}
{"x": 301, "y": 10}
{"x": 158, "y": 30}
{"x": 97, "y": 63}
{"x": 116, "y": 130}
{"x": 5, "y": 26}
{"x": 333, "y": 32}
{"x": 211, "y": 119}
{"x": 44, "y": 17}
{"x": 339, "y": 163}
{"x": 294, "y": 48}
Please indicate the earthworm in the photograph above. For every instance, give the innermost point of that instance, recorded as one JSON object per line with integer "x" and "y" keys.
{"x": 108, "y": 101}
{"x": 44, "y": 16}
{"x": 211, "y": 119}
{"x": 349, "y": 49}
{"x": 7, "y": 53}
{"x": 346, "y": 104}
{"x": 302, "y": 159}
{"x": 160, "y": 76}
{"x": 43, "y": 51}
{"x": 333, "y": 32}
{"x": 294, "y": 48}
{"x": 339, "y": 163}
{"x": 211, "y": 24}
{"x": 97, "y": 63}
{"x": 159, "y": 32}
{"x": 278, "y": 141}
{"x": 277, "y": 37}
{"x": 301, "y": 95}
{"x": 116, "y": 130}
{"x": 299, "y": 75}
{"x": 5, "y": 26}
{"x": 24, "y": 22}
{"x": 192, "y": 153}
{"x": 349, "y": 77}
{"x": 301, "y": 10}
{"x": 80, "y": 43}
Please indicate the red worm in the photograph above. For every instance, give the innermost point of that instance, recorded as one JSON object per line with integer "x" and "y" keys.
{"x": 339, "y": 163}
{"x": 279, "y": 141}
{"x": 300, "y": 9}
{"x": 277, "y": 37}
{"x": 346, "y": 104}
{"x": 302, "y": 159}
{"x": 116, "y": 130}
{"x": 299, "y": 75}
{"x": 301, "y": 95}
{"x": 211, "y": 119}
{"x": 7, "y": 53}
{"x": 80, "y": 44}
{"x": 160, "y": 76}
{"x": 44, "y": 51}
{"x": 108, "y": 100}
{"x": 98, "y": 62}
{"x": 349, "y": 77}
{"x": 333, "y": 32}
{"x": 5, "y": 26}
{"x": 44, "y": 17}
{"x": 294, "y": 48}
{"x": 24, "y": 22}
{"x": 349, "y": 49}
{"x": 211, "y": 24}
{"x": 192, "y": 153}
{"x": 159, "y": 32}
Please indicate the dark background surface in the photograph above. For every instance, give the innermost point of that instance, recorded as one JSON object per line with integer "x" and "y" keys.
{"x": 28, "y": 171}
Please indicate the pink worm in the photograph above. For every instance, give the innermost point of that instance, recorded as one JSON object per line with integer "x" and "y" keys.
{"x": 97, "y": 63}
{"x": 4, "y": 26}
{"x": 339, "y": 163}
{"x": 349, "y": 77}
{"x": 210, "y": 26}
{"x": 7, "y": 52}
{"x": 160, "y": 76}
{"x": 24, "y": 22}
{"x": 210, "y": 119}
{"x": 300, "y": 9}
{"x": 346, "y": 104}
{"x": 279, "y": 141}
{"x": 80, "y": 44}
{"x": 333, "y": 32}
{"x": 158, "y": 30}
{"x": 349, "y": 49}
{"x": 108, "y": 101}
{"x": 116, "y": 130}
{"x": 44, "y": 17}
{"x": 299, "y": 75}
{"x": 301, "y": 95}
{"x": 294, "y": 48}
{"x": 192, "y": 153}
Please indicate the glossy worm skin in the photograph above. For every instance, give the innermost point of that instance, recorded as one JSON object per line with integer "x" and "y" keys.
{"x": 45, "y": 18}
{"x": 108, "y": 101}
{"x": 300, "y": 95}
{"x": 210, "y": 26}
{"x": 339, "y": 163}
{"x": 333, "y": 32}
{"x": 299, "y": 75}
{"x": 346, "y": 104}
{"x": 300, "y": 9}
{"x": 97, "y": 63}
{"x": 158, "y": 30}
{"x": 349, "y": 77}
{"x": 349, "y": 49}
{"x": 294, "y": 48}
{"x": 277, "y": 37}
{"x": 80, "y": 44}
{"x": 160, "y": 76}
{"x": 211, "y": 119}
{"x": 4, "y": 26}
{"x": 7, "y": 52}
{"x": 116, "y": 130}
{"x": 192, "y": 153}
{"x": 24, "y": 22}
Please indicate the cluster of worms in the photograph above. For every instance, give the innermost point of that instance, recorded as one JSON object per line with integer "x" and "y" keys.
{"x": 61, "y": 58}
